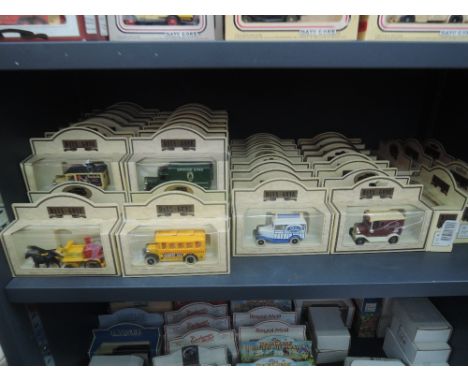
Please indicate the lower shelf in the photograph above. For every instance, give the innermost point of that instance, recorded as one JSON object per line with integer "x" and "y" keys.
{"x": 409, "y": 274}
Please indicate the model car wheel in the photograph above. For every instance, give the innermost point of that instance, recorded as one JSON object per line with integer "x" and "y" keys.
{"x": 172, "y": 20}
{"x": 393, "y": 240}
{"x": 92, "y": 264}
{"x": 294, "y": 240}
{"x": 68, "y": 266}
{"x": 456, "y": 19}
{"x": 151, "y": 259}
{"x": 190, "y": 259}
{"x": 360, "y": 241}
{"x": 260, "y": 242}
{"x": 292, "y": 19}
{"x": 351, "y": 231}
{"x": 407, "y": 19}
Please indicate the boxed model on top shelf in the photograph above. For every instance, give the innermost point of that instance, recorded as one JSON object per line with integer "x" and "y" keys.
{"x": 53, "y": 28}
{"x": 414, "y": 27}
{"x": 165, "y": 27}
{"x": 291, "y": 27}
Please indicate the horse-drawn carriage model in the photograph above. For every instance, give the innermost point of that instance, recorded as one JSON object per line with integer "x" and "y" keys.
{"x": 71, "y": 255}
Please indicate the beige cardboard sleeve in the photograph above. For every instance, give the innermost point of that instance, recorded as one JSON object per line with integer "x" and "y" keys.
{"x": 391, "y": 27}
{"x": 143, "y": 220}
{"x": 210, "y": 147}
{"x": 209, "y": 28}
{"x": 52, "y": 152}
{"x": 250, "y": 208}
{"x": 349, "y": 204}
{"x": 103, "y": 219}
{"x": 448, "y": 204}
{"x": 308, "y": 28}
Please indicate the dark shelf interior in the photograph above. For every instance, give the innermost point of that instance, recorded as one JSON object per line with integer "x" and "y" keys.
{"x": 264, "y": 88}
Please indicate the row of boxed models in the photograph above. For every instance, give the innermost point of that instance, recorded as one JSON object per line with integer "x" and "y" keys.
{"x": 125, "y": 151}
{"x": 330, "y": 194}
{"x": 323, "y": 195}
{"x": 237, "y": 27}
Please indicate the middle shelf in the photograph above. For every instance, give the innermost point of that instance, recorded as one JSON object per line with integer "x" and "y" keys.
{"x": 410, "y": 274}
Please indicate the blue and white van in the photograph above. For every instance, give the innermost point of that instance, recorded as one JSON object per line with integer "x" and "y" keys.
{"x": 284, "y": 228}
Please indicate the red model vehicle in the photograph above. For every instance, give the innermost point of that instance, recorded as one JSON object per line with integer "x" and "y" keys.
{"x": 379, "y": 226}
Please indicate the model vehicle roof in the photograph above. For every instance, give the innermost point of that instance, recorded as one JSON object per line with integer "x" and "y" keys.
{"x": 87, "y": 167}
{"x": 384, "y": 215}
{"x": 180, "y": 235}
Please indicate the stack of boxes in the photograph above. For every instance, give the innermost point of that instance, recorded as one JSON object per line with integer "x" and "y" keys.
{"x": 418, "y": 334}
{"x": 330, "y": 336}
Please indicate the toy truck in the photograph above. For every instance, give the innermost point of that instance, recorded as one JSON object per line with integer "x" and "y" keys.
{"x": 95, "y": 173}
{"x": 379, "y": 226}
{"x": 88, "y": 255}
{"x": 186, "y": 245}
{"x": 283, "y": 228}
{"x": 199, "y": 173}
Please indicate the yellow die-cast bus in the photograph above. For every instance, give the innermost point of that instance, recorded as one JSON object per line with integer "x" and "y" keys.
{"x": 188, "y": 245}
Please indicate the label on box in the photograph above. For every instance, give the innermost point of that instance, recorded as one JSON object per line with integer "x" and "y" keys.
{"x": 246, "y": 305}
{"x": 196, "y": 322}
{"x": 195, "y": 308}
{"x": 270, "y": 328}
{"x": 463, "y": 232}
{"x": 208, "y": 338}
{"x": 275, "y": 346}
{"x": 257, "y": 315}
{"x": 278, "y": 361}
{"x": 447, "y": 234}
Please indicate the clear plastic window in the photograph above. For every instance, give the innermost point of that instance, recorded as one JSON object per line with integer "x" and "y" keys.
{"x": 152, "y": 172}
{"x": 283, "y": 229}
{"x": 32, "y": 19}
{"x": 51, "y": 172}
{"x": 376, "y": 228}
{"x": 169, "y": 20}
{"x": 59, "y": 246}
{"x": 186, "y": 246}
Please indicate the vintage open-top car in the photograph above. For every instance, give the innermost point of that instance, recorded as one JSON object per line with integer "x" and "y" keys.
{"x": 95, "y": 173}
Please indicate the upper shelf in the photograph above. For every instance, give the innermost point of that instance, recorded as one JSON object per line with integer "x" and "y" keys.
{"x": 410, "y": 274}
{"x": 227, "y": 54}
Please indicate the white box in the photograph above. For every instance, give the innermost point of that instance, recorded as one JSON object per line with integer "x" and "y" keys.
{"x": 328, "y": 329}
{"x": 370, "y": 361}
{"x": 346, "y": 307}
{"x": 398, "y": 345}
{"x": 421, "y": 320}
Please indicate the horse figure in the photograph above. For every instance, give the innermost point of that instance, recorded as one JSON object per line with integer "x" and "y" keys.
{"x": 43, "y": 256}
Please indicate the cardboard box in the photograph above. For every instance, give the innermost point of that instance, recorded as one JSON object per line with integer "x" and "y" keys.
{"x": 346, "y": 307}
{"x": 398, "y": 345}
{"x": 291, "y": 27}
{"x": 370, "y": 361}
{"x": 165, "y": 27}
{"x": 264, "y": 206}
{"x": 414, "y": 27}
{"x": 53, "y": 28}
{"x": 62, "y": 234}
{"x": 421, "y": 320}
{"x": 379, "y": 214}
